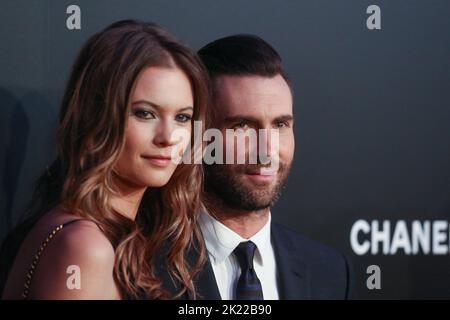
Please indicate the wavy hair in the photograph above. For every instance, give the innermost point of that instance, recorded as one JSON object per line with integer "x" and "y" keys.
{"x": 90, "y": 137}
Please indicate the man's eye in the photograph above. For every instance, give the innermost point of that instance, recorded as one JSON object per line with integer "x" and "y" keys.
{"x": 281, "y": 125}
{"x": 143, "y": 114}
{"x": 183, "y": 117}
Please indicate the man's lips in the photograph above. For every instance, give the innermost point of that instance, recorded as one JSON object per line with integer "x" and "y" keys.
{"x": 262, "y": 171}
{"x": 159, "y": 161}
{"x": 262, "y": 175}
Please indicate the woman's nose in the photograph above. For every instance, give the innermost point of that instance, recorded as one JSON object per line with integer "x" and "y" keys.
{"x": 164, "y": 135}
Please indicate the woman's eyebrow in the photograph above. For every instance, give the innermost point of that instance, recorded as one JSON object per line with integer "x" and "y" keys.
{"x": 186, "y": 109}
{"x": 152, "y": 104}
{"x": 157, "y": 106}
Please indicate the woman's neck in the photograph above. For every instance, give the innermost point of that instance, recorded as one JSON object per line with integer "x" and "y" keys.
{"x": 128, "y": 199}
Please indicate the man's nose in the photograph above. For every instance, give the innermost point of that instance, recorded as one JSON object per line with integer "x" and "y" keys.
{"x": 268, "y": 145}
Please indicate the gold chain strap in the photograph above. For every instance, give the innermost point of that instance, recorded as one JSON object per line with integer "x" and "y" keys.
{"x": 35, "y": 262}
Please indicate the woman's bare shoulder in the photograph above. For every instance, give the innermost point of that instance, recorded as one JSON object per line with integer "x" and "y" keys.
{"x": 77, "y": 262}
{"x": 83, "y": 238}
{"x": 78, "y": 236}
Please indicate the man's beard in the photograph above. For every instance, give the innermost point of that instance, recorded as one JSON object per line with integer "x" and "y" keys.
{"x": 227, "y": 183}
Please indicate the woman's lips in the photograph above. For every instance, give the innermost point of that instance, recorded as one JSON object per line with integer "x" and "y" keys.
{"x": 159, "y": 161}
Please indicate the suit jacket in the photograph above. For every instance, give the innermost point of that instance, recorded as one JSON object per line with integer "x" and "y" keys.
{"x": 305, "y": 270}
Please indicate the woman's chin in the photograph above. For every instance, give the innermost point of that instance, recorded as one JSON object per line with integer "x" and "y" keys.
{"x": 156, "y": 182}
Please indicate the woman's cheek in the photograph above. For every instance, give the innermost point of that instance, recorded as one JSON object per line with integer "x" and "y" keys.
{"x": 137, "y": 136}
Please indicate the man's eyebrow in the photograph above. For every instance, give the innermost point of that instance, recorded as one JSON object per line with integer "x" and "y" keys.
{"x": 233, "y": 119}
{"x": 157, "y": 106}
{"x": 286, "y": 117}
{"x": 252, "y": 119}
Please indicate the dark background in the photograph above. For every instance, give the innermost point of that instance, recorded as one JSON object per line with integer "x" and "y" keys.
{"x": 372, "y": 110}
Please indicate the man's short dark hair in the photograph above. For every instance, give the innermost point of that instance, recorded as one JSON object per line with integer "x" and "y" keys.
{"x": 241, "y": 55}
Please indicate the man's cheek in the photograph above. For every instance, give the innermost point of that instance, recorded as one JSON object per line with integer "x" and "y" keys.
{"x": 286, "y": 152}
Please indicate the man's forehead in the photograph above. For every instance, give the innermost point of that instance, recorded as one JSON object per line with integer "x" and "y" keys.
{"x": 235, "y": 95}
{"x": 251, "y": 84}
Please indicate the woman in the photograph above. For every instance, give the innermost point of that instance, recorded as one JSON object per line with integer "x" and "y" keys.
{"x": 116, "y": 198}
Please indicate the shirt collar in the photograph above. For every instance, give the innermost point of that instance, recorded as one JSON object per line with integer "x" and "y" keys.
{"x": 221, "y": 241}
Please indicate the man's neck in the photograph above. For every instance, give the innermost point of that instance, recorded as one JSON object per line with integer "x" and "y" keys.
{"x": 243, "y": 222}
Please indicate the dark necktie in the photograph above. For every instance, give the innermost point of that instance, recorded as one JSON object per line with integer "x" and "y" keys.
{"x": 248, "y": 286}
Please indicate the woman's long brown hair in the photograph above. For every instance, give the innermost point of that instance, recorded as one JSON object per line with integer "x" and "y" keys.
{"x": 90, "y": 138}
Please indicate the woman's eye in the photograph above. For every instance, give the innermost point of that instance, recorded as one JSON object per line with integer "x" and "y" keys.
{"x": 183, "y": 118}
{"x": 241, "y": 125}
{"x": 143, "y": 114}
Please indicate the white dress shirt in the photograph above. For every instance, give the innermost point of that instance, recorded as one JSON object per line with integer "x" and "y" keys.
{"x": 220, "y": 243}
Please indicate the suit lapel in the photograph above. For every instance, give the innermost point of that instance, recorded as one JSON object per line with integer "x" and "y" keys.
{"x": 292, "y": 273}
{"x": 206, "y": 284}
{"x": 161, "y": 272}
{"x": 205, "y": 281}
{"x": 293, "y": 280}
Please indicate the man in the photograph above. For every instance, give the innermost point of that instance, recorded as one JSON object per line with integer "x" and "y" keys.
{"x": 249, "y": 255}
